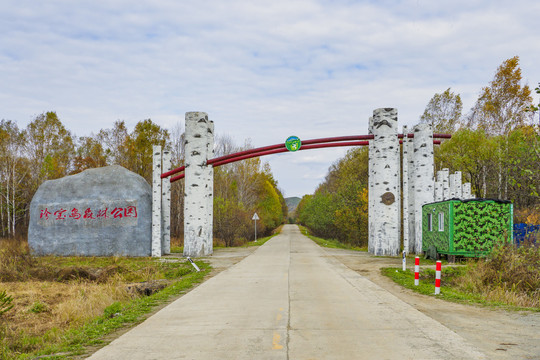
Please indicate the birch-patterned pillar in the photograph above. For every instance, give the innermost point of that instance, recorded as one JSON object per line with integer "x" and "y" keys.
{"x": 445, "y": 173}
{"x": 210, "y": 182}
{"x": 156, "y": 201}
{"x": 371, "y": 201}
{"x": 458, "y": 186}
{"x": 452, "y": 186}
{"x": 196, "y": 223}
{"x": 166, "y": 206}
{"x": 423, "y": 177}
{"x": 405, "y": 192}
{"x": 385, "y": 191}
{"x": 466, "y": 191}
{"x": 438, "y": 187}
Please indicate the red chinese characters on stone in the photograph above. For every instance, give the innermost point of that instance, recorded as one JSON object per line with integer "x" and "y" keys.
{"x": 117, "y": 213}
{"x": 75, "y": 214}
{"x": 88, "y": 214}
{"x": 60, "y": 214}
{"x": 45, "y": 214}
{"x": 130, "y": 211}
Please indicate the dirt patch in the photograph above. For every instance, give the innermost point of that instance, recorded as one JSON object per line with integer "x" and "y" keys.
{"x": 498, "y": 333}
{"x": 99, "y": 275}
{"x": 147, "y": 288}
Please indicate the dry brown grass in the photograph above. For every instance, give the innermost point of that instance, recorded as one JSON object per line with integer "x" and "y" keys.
{"x": 511, "y": 276}
{"x": 62, "y": 305}
{"x": 54, "y": 294}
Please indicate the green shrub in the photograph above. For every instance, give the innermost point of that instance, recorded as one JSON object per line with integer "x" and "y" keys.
{"x": 113, "y": 310}
{"x": 38, "y": 307}
{"x": 5, "y": 302}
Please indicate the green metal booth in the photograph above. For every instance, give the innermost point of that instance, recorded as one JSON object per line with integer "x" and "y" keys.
{"x": 466, "y": 227}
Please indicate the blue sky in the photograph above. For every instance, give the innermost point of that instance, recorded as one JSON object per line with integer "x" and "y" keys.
{"x": 262, "y": 70}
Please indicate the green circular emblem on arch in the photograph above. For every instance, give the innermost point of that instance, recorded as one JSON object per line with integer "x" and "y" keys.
{"x": 293, "y": 143}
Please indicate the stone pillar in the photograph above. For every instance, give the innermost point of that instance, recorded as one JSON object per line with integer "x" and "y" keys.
{"x": 166, "y": 206}
{"x": 371, "y": 200}
{"x": 384, "y": 194}
{"x": 197, "y": 188}
{"x": 210, "y": 199}
{"x": 156, "y": 201}
{"x": 423, "y": 177}
{"x": 408, "y": 192}
{"x": 405, "y": 192}
{"x": 458, "y": 187}
{"x": 438, "y": 188}
{"x": 445, "y": 185}
{"x": 451, "y": 186}
{"x": 466, "y": 191}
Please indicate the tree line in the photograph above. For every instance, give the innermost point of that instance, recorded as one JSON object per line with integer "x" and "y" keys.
{"x": 46, "y": 150}
{"x": 496, "y": 145}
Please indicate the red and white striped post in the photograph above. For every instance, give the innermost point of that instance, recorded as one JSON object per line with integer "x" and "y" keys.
{"x": 438, "y": 278}
{"x": 416, "y": 271}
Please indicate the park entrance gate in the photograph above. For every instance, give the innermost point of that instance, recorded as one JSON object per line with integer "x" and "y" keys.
{"x": 399, "y": 183}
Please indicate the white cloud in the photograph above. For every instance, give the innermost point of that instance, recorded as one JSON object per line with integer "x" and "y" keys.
{"x": 263, "y": 70}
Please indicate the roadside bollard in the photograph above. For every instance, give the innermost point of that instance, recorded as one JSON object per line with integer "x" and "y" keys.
{"x": 404, "y": 260}
{"x": 438, "y": 278}
{"x": 416, "y": 271}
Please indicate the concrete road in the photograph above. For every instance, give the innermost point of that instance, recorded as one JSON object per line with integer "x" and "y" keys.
{"x": 289, "y": 300}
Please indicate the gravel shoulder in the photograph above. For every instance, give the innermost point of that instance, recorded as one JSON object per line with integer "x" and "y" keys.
{"x": 498, "y": 333}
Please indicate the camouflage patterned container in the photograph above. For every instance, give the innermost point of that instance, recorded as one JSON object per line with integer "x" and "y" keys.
{"x": 466, "y": 227}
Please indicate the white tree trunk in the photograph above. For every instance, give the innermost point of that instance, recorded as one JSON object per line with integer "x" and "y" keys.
{"x": 13, "y": 201}
{"x": 452, "y": 185}
{"x": 423, "y": 176}
{"x": 405, "y": 199}
{"x": 166, "y": 206}
{"x": 439, "y": 187}
{"x": 466, "y": 194}
{"x": 371, "y": 198}
{"x": 210, "y": 196}
{"x": 197, "y": 186}
{"x": 156, "y": 202}
{"x": 8, "y": 208}
{"x": 385, "y": 194}
{"x": 2, "y": 212}
{"x": 458, "y": 185}
{"x": 445, "y": 173}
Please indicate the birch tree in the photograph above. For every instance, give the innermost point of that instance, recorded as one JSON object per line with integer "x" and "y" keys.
{"x": 13, "y": 171}
{"x": 501, "y": 107}
{"x": 443, "y": 112}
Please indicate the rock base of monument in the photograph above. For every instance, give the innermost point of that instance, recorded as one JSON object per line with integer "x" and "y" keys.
{"x": 99, "y": 212}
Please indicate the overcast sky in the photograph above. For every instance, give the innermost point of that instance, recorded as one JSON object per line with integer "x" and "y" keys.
{"x": 262, "y": 70}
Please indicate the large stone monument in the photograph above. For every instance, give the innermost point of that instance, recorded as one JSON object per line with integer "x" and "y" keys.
{"x": 99, "y": 212}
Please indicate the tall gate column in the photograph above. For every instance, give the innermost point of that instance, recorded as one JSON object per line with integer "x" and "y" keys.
{"x": 198, "y": 185}
{"x": 384, "y": 191}
{"x": 422, "y": 177}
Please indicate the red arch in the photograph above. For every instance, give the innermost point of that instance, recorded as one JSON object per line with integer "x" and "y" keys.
{"x": 354, "y": 140}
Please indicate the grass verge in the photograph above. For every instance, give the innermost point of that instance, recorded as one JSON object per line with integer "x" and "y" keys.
{"x": 329, "y": 243}
{"x": 60, "y": 305}
{"x": 449, "y": 290}
{"x": 119, "y": 315}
